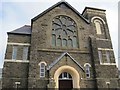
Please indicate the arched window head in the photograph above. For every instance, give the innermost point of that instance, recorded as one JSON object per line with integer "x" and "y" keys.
{"x": 42, "y": 69}
{"x": 98, "y": 21}
{"x": 87, "y": 69}
{"x": 64, "y": 32}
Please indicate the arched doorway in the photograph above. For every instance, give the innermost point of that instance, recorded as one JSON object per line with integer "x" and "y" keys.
{"x": 72, "y": 71}
{"x": 65, "y": 81}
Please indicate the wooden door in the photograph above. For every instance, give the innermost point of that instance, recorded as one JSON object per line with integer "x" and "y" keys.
{"x": 65, "y": 85}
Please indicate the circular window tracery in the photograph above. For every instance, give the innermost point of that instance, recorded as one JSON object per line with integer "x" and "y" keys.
{"x": 64, "y": 32}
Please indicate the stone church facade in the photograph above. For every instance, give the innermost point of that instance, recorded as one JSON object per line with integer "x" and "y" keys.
{"x": 61, "y": 49}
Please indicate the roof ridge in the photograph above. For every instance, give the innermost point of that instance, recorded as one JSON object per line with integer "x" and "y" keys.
{"x": 55, "y": 5}
{"x": 26, "y": 29}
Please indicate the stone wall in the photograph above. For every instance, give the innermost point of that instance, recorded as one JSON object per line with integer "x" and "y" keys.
{"x": 14, "y": 70}
{"x": 28, "y": 74}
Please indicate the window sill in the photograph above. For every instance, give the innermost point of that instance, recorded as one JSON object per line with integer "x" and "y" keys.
{"x": 10, "y": 60}
{"x": 107, "y": 63}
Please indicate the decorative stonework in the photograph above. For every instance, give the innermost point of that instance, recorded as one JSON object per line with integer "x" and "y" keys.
{"x": 64, "y": 32}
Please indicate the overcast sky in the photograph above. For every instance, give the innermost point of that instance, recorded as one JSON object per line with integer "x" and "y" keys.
{"x": 17, "y": 13}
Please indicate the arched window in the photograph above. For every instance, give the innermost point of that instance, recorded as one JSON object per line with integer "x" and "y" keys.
{"x": 70, "y": 43}
{"x": 64, "y": 43}
{"x": 59, "y": 42}
{"x": 53, "y": 40}
{"x": 99, "y": 24}
{"x": 65, "y": 75}
{"x": 42, "y": 69}
{"x": 98, "y": 27}
{"x": 87, "y": 70}
{"x": 65, "y": 30}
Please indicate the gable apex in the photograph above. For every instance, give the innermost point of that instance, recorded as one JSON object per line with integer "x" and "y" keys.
{"x": 58, "y": 4}
{"x": 57, "y": 60}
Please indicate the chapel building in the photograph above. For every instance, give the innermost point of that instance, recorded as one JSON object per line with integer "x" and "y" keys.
{"x": 61, "y": 49}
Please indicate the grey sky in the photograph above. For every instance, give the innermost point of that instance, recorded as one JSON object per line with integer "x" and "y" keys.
{"x": 17, "y": 13}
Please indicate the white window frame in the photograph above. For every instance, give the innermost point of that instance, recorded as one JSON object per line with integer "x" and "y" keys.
{"x": 42, "y": 68}
{"x": 87, "y": 69}
{"x": 107, "y": 50}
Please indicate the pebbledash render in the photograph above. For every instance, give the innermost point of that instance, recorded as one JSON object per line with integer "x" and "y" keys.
{"x": 61, "y": 49}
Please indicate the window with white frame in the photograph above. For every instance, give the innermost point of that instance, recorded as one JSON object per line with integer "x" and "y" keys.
{"x": 106, "y": 56}
{"x": 87, "y": 70}
{"x": 25, "y": 53}
{"x": 42, "y": 69}
{"x": 14, "y": 53}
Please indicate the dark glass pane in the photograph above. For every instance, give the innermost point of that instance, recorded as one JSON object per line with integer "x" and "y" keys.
{"x": 60, "y": 76}
{"x": 41, "y": 74}
{"x": 14, "y": 53}
{"x": 70, "y": 76}
{"x": 42, "y": 70}
{"x": 57, "y": 21}
{"x": 63, "y": 19}
{"x": 56, "y": 26}
{"x": 59, "y": 42}
{"x": 64, "y": 42}
{"x": 74, "y": 42}
{"x": 64, "y": 34}
{"x": 25, "y": 53}
{"x": 87, "y": 75}
{"x": 87, "y": 67}
{"x": 70, "y": 44}
{"x": 65, "y": 74}
{"x": 53, "y": 40}
{"x": 42, "y": 65}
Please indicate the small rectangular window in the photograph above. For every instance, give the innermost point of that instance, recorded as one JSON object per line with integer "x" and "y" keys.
{"x": 42, "y": 70}
{"x": 87, "y": 71}
{"x": 14, "y": 53}
{"x": 100, "y": 56}
{"x": 25, "y": 53}
{"x": 108, "y": 56}
{"x": 104, "y": 58}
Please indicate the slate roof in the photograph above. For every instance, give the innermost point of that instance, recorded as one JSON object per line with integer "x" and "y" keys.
{"x": 57, "y": 4}
{"x": 57, "y": 60}
{"x": 26, "y": 29}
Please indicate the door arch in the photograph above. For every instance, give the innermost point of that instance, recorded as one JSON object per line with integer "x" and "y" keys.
{"x": 72, "y": 71}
